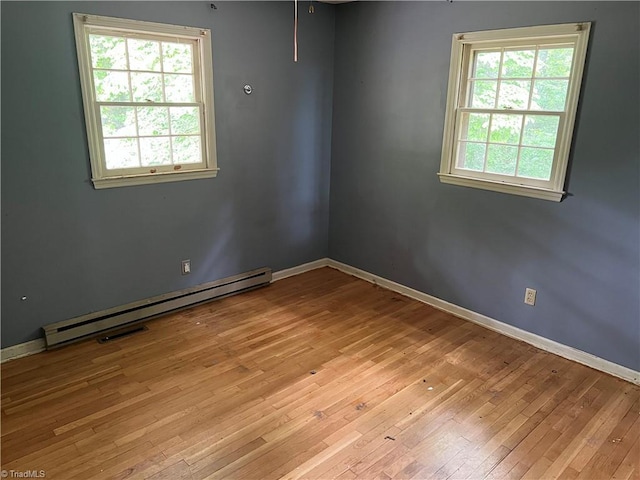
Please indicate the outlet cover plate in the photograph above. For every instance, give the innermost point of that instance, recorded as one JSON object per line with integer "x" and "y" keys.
{"x": 186, "y": 267}
{"x": 530, "y": 296}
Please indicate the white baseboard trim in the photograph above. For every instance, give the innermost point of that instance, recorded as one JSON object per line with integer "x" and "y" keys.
{"x": 22, "y": 350}
{"x": 305, "y": 267}
{"x": 625, "y": 373}
{"x": 542, "y": 343}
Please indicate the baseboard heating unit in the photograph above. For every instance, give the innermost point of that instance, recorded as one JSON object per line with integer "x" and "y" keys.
{"x": 74, "y": 329}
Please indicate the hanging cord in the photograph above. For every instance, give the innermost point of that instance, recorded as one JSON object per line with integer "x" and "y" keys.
{"x": 295, "y": 32}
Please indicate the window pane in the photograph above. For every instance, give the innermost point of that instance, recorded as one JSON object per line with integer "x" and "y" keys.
{"x": 535, "y": 163}
{"x": 554, "y": 62}
{"x": 144, "y": 55}
{"x": 147, "y": 87}
{"x": 514, "y": 94}
{"x": 518, "y": 63}
{"x": 472, "y": 156}
{"x": 505, "y": 128}
{"x": 186, "y": 150}
{"x": 111, "y": 86}
{"x": 121, "y": 153}
{"x": 549, "y": 95}
{"x": 107, "y": 52}
{"x": 118, "y": 121}
{"x": 502, "y": 159}
{"x": 483, "y": 93}
{"x": 176, "y": 58}
{"x": 487, "y": 65}
{"x": 178, "y": 88}
{"x": 185, "y": 120}
{"x": 155, "y": 151}
{"x": 475, "y": 126}
{"x": 540, "y": 130}
{"x": 153, "y": 121}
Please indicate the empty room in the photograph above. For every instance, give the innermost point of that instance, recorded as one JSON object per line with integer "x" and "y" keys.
{"x": 320, "y": 240}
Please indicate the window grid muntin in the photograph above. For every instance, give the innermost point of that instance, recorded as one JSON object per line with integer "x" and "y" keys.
{"x": 196, "y": 92}
{"x": 459, "y": 166}
{"x": 520, "y": 139}
{"x": 171, "y": 135}
{"x": 86, "y": 24}
{"x": 498, "y": 82}
{"x": 537, "y": 47}
{"x": 575, "y": 35}
{"x": 466, "y": 99}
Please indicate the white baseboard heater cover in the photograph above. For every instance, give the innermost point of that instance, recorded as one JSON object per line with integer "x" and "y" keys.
{"x": 74, "y": 329}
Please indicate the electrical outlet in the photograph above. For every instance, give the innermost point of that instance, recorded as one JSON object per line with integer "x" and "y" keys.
{"x": 186, "y": 267}
{"x": 530, "y": 296}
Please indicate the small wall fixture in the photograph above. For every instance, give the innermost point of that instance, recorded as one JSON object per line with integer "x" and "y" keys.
{"x": 247, "y": 89}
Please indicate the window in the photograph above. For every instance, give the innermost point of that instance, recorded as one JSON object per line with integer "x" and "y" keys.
{"x": 147, "y": 90}
{"x": 511, "y": 108}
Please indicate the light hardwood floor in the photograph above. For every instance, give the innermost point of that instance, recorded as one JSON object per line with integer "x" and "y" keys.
{"x": 316, "y": 376}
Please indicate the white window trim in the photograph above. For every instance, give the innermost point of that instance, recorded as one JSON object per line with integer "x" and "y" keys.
{"x": 101, "y": 178}
{"x": 576, "y": 32}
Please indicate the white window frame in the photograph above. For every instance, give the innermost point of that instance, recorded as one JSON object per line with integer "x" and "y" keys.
{"x": 462, "y": 49}
{"x": 84, "y": 25}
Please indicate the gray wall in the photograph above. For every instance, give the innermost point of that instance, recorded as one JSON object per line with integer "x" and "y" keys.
{"x": 479, "y": 249}
{"x": 72, "y": 249}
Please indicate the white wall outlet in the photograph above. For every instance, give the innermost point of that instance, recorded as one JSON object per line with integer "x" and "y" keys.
{"x": 530, "y": 296}
{"x": 186, "y": 267}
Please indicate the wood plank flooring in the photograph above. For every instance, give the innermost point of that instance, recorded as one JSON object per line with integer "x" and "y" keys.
{"x": 318, "y": 376}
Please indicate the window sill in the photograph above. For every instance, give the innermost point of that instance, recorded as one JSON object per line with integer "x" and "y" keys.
{"x": 514, "y": 189}
{"x": 129, "y": 180}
